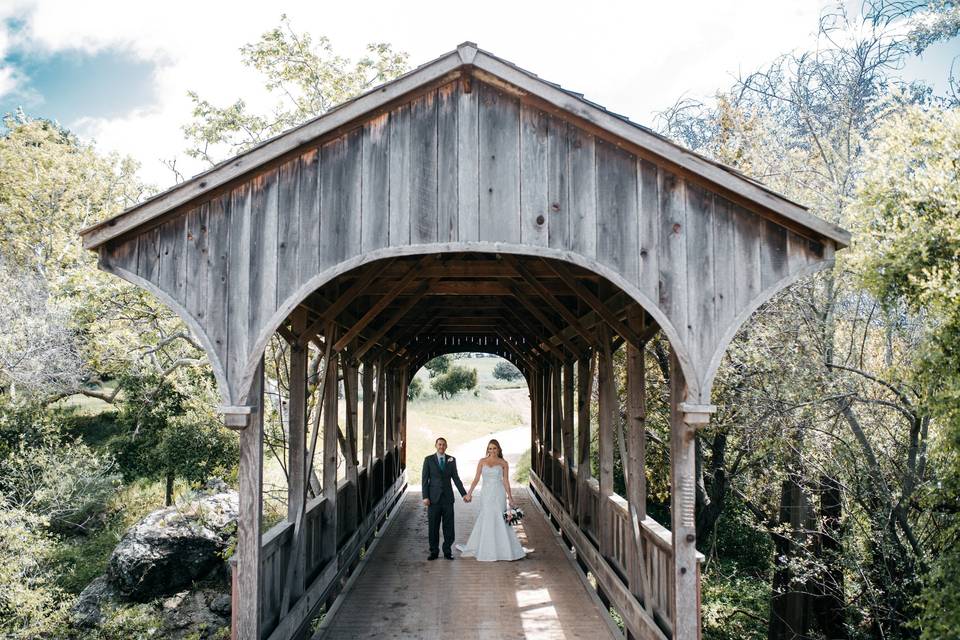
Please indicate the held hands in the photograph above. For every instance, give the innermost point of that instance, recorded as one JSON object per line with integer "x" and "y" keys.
{"x": 468, "y": 497}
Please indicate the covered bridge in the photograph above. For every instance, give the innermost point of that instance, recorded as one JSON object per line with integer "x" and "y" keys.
{"x": 465, "y": 206}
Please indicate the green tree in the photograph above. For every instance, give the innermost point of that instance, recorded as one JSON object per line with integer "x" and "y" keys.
{"x": 415, "y": 389}
{"x": 453, "y": 381}
{"x": 908, "y": 206}
{"x": 506, "y": 371}
{"x": 438, "y": 365}
{"x": 306, "y": 76}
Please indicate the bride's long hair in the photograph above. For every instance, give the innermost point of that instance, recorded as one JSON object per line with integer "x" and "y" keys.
{"x": 497, "y": 445}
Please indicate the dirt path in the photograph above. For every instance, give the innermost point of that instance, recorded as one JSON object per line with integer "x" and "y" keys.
{"x": 514, "y": 441}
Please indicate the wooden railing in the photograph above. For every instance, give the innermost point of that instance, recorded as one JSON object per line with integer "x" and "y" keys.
{"x": 323, "y": 570}
{"x": 647, "y": 613}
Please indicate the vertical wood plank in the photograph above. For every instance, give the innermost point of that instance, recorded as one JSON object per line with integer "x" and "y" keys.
{"x": 724, "y": 259}
{"x": 375, "y": 193}
{"x": 423, "y": 169}
{"x": 534, "y": 147}
{"x": 499, "y": 165}
{"x": 238, "y": 298}
{"x": 468, "y": 162}
{"x": 558, "y": 183}
{"x": 288, "y": 229}
{"x": 400, "y": 176}
{"x": 263, "y": 250}
{"x": 218, "y": 274}
{"x": 197, "y": 273}
{"x": 649, "y": 228}
{"x": 746, "y": 241}
{"x": 173, "y": 258}
{"x": 569, "y": 447}
{"x": 120, "y": 255}
{"x": 617, "y": 230}
{"x": 148, "y": 255}
{"x": 250, "y": 516}
{"x": 673, "y": 250}
{"x": 340, "y": 199}
{"x": 447, "y": 152}
{"x": 701, "y": 290}
{"x": 584, "y": 391}
{"x": 773, "y": 253}
{"x": 309, "y": 202}
{"x": 583, "y": 192}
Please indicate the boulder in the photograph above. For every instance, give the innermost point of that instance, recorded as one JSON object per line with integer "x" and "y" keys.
{"x": 171, "y": 548}
{"x": 192, "y": 613}
{"x": 88, "y": 609}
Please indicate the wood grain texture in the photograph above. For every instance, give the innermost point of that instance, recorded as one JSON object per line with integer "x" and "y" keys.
{"x": 238, "y": 292}
{"x": 673, "y": 250}
{"x": 649, "y": 227}
{"x": 309, "y": 250}
{"x": 400, "y": 172}
{"x": 263, "y": 243}
{"x": 534, "y": 207}
{"x": 617, "y": 212}
{"x": 197, "y": 262}
{"x": 340, "y": 199}
{"x": 583, "y": 192}
{"x": 701, "y": 289}
{"x": 288, "y": 229}
{"x": 375, "y": 191}
{"x": 499, "y": 165}
{"x": 448, "y": 147}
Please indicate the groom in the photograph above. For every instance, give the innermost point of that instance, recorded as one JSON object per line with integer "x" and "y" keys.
{"x": 438, "y": 470}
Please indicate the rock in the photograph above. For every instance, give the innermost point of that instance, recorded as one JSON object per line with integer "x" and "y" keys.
{"x": 221, "y": 605}
{"x": 189, "y": 613}
{"x": 87, "y": 611}
{"x": 171, "y": 548}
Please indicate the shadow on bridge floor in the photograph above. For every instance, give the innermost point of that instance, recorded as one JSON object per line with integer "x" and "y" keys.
{"x": 399, "y": 594}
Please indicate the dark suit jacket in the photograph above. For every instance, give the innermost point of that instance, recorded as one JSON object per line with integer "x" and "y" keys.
{"x": 436, "y": 483}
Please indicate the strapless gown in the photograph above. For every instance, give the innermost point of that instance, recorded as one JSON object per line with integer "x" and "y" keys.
{"x": 492, "y": 538}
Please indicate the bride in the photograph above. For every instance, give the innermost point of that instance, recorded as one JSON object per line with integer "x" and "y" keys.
{"x": 492, "y": 538}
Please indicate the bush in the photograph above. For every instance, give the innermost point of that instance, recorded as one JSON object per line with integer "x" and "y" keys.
{"x": 455, "y": 380}
{"x": 522, "y": 472}
{"x": 415, "y": 389}
{"x": 30, "y": 603}
{"x": 69, "y": 484}
{"x": 506, "y": 371}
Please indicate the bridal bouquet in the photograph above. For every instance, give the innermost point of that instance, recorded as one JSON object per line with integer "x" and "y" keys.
{"x": 513, "y": 516}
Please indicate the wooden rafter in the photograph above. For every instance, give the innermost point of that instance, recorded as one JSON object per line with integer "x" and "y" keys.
{"x": 357, "y": 288}
{"x": 594, "y": 303}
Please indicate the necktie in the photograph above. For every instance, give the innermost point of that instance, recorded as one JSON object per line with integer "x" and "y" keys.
{"x": 442, "y": 462}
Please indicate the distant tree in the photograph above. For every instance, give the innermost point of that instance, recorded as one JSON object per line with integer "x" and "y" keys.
{"x": 440, "y": 364}
{"x": 415, "y": 389}
{"x": 506, "y": 371}
{"x": 455, "y": 380}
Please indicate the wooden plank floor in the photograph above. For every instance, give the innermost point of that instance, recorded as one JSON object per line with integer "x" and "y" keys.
{"x": 399, "y": 594}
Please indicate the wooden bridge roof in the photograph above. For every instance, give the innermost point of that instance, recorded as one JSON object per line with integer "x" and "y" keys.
{"x": 465, "y": 59}
{"x": 470, "y": 157}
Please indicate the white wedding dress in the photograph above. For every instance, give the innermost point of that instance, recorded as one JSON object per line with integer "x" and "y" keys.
{"x": 492, "y": 538}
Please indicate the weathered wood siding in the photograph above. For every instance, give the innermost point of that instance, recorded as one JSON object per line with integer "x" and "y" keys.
{"x": 459, "y": 166}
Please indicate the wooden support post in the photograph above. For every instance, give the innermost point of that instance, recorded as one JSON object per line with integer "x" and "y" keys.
{"x": 534, "y": 423}
{"x": 402, "y": 436}
{"x": 547, "y": 413}
{"x": 367, "y": 438}
{"x": 249, "y": 521}
{"x": 568, "y": 445}
{"x": 391, "y": 415}
{"x": 637, "y": 575}
{"x": 556, "y": 427}
{"x": 330, "y": 431}
{"x": 585, "y": 368}
{"x": 351, "y": 384}
{"x": 684, "y": 419}
{"x": 379, "y": 424}
{"x": 296, "y": 445}
{"x": 608, "y": 416}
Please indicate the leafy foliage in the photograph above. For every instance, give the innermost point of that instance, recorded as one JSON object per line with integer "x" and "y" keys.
{"x": 506, "y": 371}
{"x": 307, "y": 77}
{"x": 455, "y": 380}
{"x": 438, "y": 365}
{"x": 415, "y": 389}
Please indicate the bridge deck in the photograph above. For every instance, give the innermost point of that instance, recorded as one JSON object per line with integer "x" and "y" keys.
{"x": 399, "y": 594}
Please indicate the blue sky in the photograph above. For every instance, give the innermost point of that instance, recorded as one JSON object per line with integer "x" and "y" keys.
{"x": 70, "y": 85}
{"x": 117, "y": 72}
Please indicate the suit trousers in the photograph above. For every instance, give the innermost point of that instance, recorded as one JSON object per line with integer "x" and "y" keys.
{"x": 437, "y": 514}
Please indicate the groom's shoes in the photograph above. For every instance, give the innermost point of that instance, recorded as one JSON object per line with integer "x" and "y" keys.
{"x": 448, "y": 556}
{"x": 433, "y": 556}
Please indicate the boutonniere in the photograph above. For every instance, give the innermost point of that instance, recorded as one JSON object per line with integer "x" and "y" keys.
{"x": 449, "y": 458}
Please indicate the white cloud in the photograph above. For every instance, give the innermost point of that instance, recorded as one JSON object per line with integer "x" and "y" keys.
{"x": 633, "y": 57}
